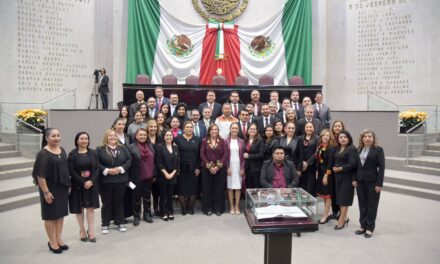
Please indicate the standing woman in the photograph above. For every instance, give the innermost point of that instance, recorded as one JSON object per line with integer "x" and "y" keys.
{"x": 161, "y": 126}
{"x": 165, "y": 109}
{"x": 114, "y": 163}
{"x": 168, "y": 164}
{"x": 188, "y": 181}
{"x": 143, "y": 108}
{"x": 337, "y": 127}
{"x": 291, "y": 146}
{"x": 142, "y": 174}
{"x": 235, "y": 168}
{"x": 291, "y": 116}
{"x": 308, "y": 143}
{"x": 326, "y": 179}
{"x": 253, "y": 155}
{"x": 278, "y": 130}
{"x": 124, "y": 115}
{"x": 369, "y": 181}
{"x": 133, "y": 127}
{"x": 119, "y": 127}
{"x": 345, "y": 174}
{"x": 155, "y": 140}
{"x": 84, "y": 169}
{"x": 214, "y": 156}
{"x": 270, "y": 142}
{"x": 175, "y": 126}
{"x": 51, "y": 173}
{"x": 180, "y": 113}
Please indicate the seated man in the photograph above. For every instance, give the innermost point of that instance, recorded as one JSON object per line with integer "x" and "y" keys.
{"x": 278, "y": 172}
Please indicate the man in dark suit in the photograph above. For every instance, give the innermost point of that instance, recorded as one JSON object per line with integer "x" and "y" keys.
{"x": 255, "y": 101}
{"x": 151, "y": 103}
{"x": 299, "y": 109}
{"x": 205, "y": 121}
{"x": 282, "y": 113}
{"x": 250, "y": 108}
{"x": 274, "y": 98}
{"x": 243, "y": 124}
{"x": 174, "y": 101}
{"x": 322, "y": 111}
{"x": 195, "y": 118}
{"x": 236, "y": 107}
{"x": 308, "y": 118}
{"x": 265, "y": 119}
{"x": 134, "y": 106}
{"x": 160, "y": 99}
{"x": 277, "y": 168}
{"x": 216, "y": 108}
{"x": 103, "y": 88}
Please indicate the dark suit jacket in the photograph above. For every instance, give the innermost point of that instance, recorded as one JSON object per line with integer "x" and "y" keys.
{"x": 280, "y": 115}
{"x": 106, "y": 160}
{"x": 133, "y": 108}
{"x": 259, "y": 108}
{"x": 302, "y": 123}
{"x": 203, "y": 128}
{"x": 168, "y": 161}
{"x": 300, "y": 112}
{"x": 164, "y": 101}
{"x": 216, "y": 112}
{"x": 373, "y": 169}
{"x": 323, "y": 115}
{"x": 292, "y": 151}
{"x": 240, "y": 130}
{"x": 136, "y": 162}
{"x": 103, "y": 86}
{"x": 256, "y": 155}
{"x": 239, "y": 106}
{"x": 73, "y": 163}
{"x": 260, "y": 123}
{"x": 267, "y": 174}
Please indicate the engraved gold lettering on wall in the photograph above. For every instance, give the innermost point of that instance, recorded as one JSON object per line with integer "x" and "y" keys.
{"x": 383, "y": 33}
{"x": 45, "y": 47}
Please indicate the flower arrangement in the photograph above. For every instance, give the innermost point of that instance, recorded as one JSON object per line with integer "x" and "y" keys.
{"x": 35, "y": 117}
{"x": 411, "y": 117}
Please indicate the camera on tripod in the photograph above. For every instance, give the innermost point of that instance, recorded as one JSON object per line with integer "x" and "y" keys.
{"x": 96, "y": 74}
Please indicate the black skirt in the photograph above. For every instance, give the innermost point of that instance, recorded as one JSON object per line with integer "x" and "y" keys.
{"x": 82, "y": 198}
{"x": 59, "y": 206}
{"x": 188, "y": 183}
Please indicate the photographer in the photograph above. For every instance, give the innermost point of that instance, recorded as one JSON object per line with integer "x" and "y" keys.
{"x": 103, "y": 88}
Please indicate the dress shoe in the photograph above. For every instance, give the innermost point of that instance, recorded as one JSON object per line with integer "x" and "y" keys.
{"x": 136, "y": 221}
{"x": 360, "y": 232}
{"x": 368, "y": 234}
{"x": 148, "y": 219}
{"x": 91, "y": 239}
{"x": 218, "y": 213}
{"x": 171, "y": 217}
{"x": 191, "y": 211}
{"x": 156, "y": 212}
{"x": 325, "y": 221}
{"x": 209, "y": 213}
{"x": 55, "y": 251}
{"x": 165, "y": 217}
{"x": 184, "y": 212}
{"x": 83, "y": 239}
{"x": 64, "y": 247}
{"x": 341, "y": 227}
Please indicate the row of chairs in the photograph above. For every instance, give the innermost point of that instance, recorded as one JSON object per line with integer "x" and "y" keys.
{"x": 218, "y": 80}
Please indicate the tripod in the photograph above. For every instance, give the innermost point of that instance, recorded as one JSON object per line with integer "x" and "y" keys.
{"x": 95, "y": 95}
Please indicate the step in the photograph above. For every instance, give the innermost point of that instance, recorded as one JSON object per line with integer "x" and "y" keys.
{"x": 9, "y": 153}
{"x": 398, "y": 163}
{"x": 411, "y": 192}
{"x": 6, "y": 147}
{"x": 15, "y": 163}
{"x": 412, "y": 183}
{"x": 17, "y": 173}
{"x": 435, "y": 153}
{"x": 425, "y": 161}
{"x": 433, "y": 146}
{"x": 19, "y": 201}
{"x": 6, "y": 137}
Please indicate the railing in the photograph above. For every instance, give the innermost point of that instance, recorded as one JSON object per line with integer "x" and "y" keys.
{"x": 26, "y": 137}
{"x": 66, "y": 100}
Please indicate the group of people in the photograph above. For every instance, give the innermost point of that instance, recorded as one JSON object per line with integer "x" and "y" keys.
{"x": 158, "y": 149}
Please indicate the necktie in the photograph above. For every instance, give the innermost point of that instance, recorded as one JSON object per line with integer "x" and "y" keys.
{"x": 212, "y": 107}
{"x": 267, "y": 122}
{"x": 235, "y": 110}
{"x": 244, "y": 129}
{"x": 159, "y": 103}
{"x": 296, "y": 106}
{"x": 196, "y": 130}
{"x": 319, "y": 108}
{"x": 206, "y": 124}
{"x": 255, "y": 109}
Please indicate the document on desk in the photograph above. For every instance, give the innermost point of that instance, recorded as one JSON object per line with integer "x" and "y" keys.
{"x": 273, "y": 211}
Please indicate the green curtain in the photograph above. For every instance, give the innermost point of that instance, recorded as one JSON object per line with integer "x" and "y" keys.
{"x": 297, "y": 34}
{"x": 143, "y": 31}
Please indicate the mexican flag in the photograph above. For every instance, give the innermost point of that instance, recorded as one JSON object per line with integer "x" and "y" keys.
{"x": 160, "y": 44}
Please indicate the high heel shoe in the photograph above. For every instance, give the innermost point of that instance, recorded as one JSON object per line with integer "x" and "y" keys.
{"x": 324, "y": 222}
{"x": 341, "y": 227}
{"x": 63, "y": 247}
{"x": 91, "y": 239}
{"x": 83, "y": 239}
{"x": 55, "y": 251}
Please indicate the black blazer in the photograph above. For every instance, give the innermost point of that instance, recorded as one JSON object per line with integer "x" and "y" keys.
{"x": 256, "y": 155}
{"x": 103, "y": 86}
{"x": 203, "y": 128}
{"x": 290, "y": 176}
{"x": 348, "y": 161}
{"x": 373, "y": 169}
{"x": 106, "y": 160}
{"x": 308, "y": 152}
{"x": 136, "y": 162}
{"x": 76, "y": 177}
{"x": 240, "y": 129}
{"x": 216, "y": 111}
{"x": 133, "y": 108}
{"x": 260, "y": 123}
{"x": 300, "y": 112}
{"x": 291, "y": 151}
{"x": 268, "y": 148}
{"x": 302, "y": 123}
{"x": 168, "y": 161}
{"x": 239, "y": 108}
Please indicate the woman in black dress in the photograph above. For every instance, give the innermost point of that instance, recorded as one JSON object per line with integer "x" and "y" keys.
{"x": 84, "y": 169}
{"x": 114, "y": 163}
{"x": 270, "y": 142}
{"x": 344, "y": 168}
{"x": 325, "y": 180}
{"x": 155, "y": 140}
{"x": 291, "y": 146}
{"x": 254, "y": 154}
{"x": 161, "y": 126}
{"x": 142, "y": 175}
{"x": 168, "y": 164}
{"x": 337, "y": 127}
{"x": 124, "y": 115}
{"x": 369, "y": 181}
{"x": 180, "y": 113}
{"x": 165, "y": 109}
{"x": 308, "y": 143}
{"x": 188, "y": 181}
{"x": 51, "y": 174}
{"x": 278, "y": 129}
